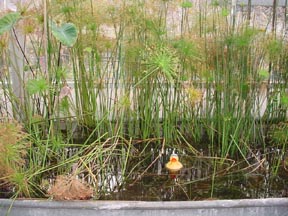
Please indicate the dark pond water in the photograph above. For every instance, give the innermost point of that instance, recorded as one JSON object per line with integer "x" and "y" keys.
{"x": 209, "y": 178}
{"x": 202, "y": 178}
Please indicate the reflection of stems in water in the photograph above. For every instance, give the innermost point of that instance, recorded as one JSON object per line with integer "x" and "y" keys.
{"x": 258, "y": 163}
{"x": 213, "y": 178}
{"x": 180, "y": 186}
{"x": 285, "y": 166}
{"x": 215, "y": 173}
{"x": 223, "y": 171}
{"x": 127, "y": 157}
{"x": 91, "y": 173}
{"x": 154, "y": 161}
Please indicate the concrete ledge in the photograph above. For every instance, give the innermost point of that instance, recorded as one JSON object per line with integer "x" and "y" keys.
{"x": 248, "y": 207}
{"x": 261, "y": 2}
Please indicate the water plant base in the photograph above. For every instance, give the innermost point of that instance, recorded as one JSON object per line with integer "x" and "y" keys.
{"x": 247, "y": 207}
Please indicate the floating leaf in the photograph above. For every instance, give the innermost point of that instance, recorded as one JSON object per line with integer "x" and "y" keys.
{"x": 7, "y": 21}
{"x": 67, "y": 33}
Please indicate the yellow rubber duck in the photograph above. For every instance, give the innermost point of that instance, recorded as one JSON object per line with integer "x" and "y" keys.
{"x": 174, "y": 165}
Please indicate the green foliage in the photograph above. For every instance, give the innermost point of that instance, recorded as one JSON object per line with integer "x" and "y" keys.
{"x": 187, "y": 4}
{"x": 64, "y": 105}
{"x": 225, "y": 12}
{"x": 284, "y": 99}
{"x": 215, "y": 3}
{"x": 242, "y": 39}
{"x": 162, "y": 61}
{"x": 274, "y": 48}
{"x": 185, "y": 48}
{"x": 21, "y": 183}
{"x": 67, "y": 33}
{"x": 14, "y": 147}
{"x": 278, "y": 134}
{"x": 68, "y": 9}
{"x": 153, "y": 27}
{"x": 8, "y": 21}
{"x": 60, "y": 73}
{"x": 263, "y": 74}
{"x": 35, "y": 86}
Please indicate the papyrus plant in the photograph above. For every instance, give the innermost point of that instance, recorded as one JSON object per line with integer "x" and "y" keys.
{"x": 14, "y": 146}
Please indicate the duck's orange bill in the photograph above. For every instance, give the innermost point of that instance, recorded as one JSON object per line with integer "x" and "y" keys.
{"x": 173, "y": 159}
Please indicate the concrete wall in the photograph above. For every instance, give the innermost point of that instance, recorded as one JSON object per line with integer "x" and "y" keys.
{"x": 262, "y": 2}
{"x": 263, "y": 207}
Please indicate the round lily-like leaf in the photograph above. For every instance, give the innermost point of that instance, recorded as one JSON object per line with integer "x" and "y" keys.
{"x": 67, "y": 33}
{"x": 8, "y": 21}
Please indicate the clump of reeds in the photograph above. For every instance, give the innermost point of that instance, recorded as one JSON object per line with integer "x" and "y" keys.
{"x": 14, "y": 149}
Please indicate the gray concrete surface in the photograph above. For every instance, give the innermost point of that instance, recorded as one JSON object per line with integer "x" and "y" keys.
{"x": 261, "y": 2}
{"x": 248, "y": 207}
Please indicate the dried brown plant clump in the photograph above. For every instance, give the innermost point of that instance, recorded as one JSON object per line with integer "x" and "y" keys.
{"x": 70, "y": 188}
{"x": 13, "y": 148}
